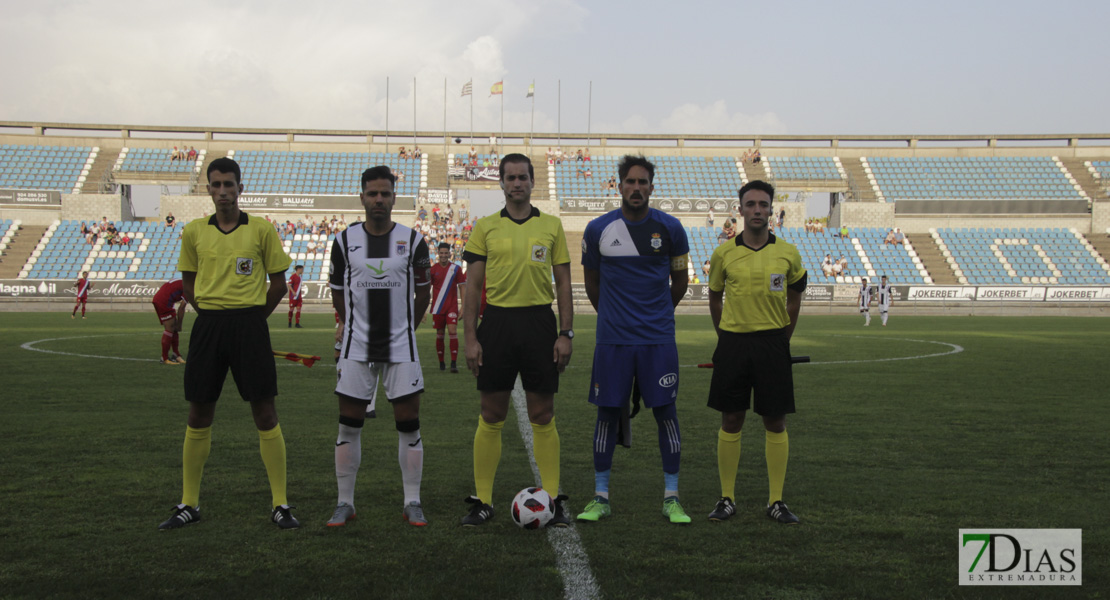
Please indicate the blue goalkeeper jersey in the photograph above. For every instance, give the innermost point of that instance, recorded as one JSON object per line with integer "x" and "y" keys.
{"x": 635, "y": 260}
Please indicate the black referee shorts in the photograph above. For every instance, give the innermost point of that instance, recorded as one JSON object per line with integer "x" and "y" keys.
{"x": 518, "y": 340}
{"x": 236, "y": 339}
{"x": 758, "y": 361}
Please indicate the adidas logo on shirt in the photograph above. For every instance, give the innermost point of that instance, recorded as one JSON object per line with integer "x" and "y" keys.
{"x": 615, "y": 243}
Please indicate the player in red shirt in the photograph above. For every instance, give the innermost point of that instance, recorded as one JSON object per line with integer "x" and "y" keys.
{"x": 83, "y": 287}
{"x": 169, "y": 303}
{"x": 296, "y": 294}
{"x": 446, "y": 279}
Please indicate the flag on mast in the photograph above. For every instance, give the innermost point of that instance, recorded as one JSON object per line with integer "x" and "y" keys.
{"x": 497, "y": 88}
{"x": 531, "y": 90}
{"x": 468, "y": 89}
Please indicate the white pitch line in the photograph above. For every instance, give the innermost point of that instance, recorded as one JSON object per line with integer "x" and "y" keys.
{"x": 570, "y": 554}
{"x": 954, "y": 349}
{"x": 31, "y": 346}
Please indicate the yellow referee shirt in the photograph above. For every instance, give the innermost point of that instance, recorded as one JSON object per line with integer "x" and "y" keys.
{"x": 519, "y": 257}
{"x": 233, "y": 269}
{"x": 755, "y": 283}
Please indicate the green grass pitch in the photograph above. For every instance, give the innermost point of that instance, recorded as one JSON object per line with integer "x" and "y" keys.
{"x": 889, "y": 458}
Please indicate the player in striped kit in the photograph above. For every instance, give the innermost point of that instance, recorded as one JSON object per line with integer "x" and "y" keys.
{"x": 379, "y": 282}
{"x": 865, "y": 302}
{"x": 296, "y": 294}
{"x": 884, "y": 299}
{"x": 447, "y": 277}
{"x": 83, "y": 287}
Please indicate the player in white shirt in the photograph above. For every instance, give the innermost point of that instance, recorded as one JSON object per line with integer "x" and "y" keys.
{"x": 865, "y": 302}
{"x": 884, "y": 299}
{"x": 380, "y": 274}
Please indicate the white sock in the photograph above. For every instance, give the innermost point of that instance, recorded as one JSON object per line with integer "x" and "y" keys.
{"x": 348, "y": 457}
{"x": 410, "y": 455}
{"x": 867, "y": 319}
{"x": 884, "y": 318}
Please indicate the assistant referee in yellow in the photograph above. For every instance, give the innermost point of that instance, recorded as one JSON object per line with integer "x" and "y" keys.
{"x": 515, "y": 254}
{"x": 756, "y": 281}
{"x": 225, "y": 263}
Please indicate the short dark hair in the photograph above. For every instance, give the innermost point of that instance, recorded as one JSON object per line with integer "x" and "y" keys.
{"x": 298, "y": 267}
{"x": 443, "y": 245}
{"x": 628, "y": 161}
{"x": 759, "y": 185}
{"x": 225, "y": 165}
{"x": 516, "y": 158}
{"x": 375, "y": 173}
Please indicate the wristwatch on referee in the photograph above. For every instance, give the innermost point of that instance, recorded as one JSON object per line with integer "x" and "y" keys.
{"x": 569, "y": 333}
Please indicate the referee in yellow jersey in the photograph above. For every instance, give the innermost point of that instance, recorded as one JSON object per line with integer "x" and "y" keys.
{"x": 225, "y": 263}
{"x": 756, "y": 281}
{"x": 514, "y": 254}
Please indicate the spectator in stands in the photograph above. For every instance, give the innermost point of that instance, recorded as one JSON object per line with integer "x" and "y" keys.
{"x": 417, "y": 152}
{"x": 899, "y": 237}
{"x": 844, "y": 232}
{"x": 782, "y": 216}
{"x": 125, "y": 241}
{"x": 94, "y": 233}
{"x": 84, "y": 229}
{"x": 709, "y": 218}
{"x": 744, "y": 158}
{"x": 843, "y": 262}
{"x": 422, "y": 215}
{"x": 311, "y": 247}
{"x": 192, "y": 153}
{"x": 400, "y": 175}
{"x": 587, "y": 156}
{"x": 472, "y": 157}
{"x": 705, "y": 268}
{"x": 756, "y": 156}
{"x": 733, "y": 229}
{"x": 723, "y": 236}
{"x": 174, "y": 155}
{"x": 578, "y": 156}
{"x": 171, "y": 221}
{"x": 463, "y": 212}
{"x": 610, "y": 186}
{"x": 889, "y": 239}
{"x": 827, "y": 266}
{"x": 550, "y": 156}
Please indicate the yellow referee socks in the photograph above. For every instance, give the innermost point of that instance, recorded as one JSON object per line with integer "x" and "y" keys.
{"x": 487, "y": 454}
{"x": 198, "y": 443}
{"x": 545, "y": 447}
{"x": 272, "y": 446}
{"x": 778, "y": 450}
{"x": 728, "y": 460}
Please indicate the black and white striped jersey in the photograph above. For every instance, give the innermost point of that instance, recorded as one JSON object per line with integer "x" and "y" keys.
{"x": 377, "y": 277}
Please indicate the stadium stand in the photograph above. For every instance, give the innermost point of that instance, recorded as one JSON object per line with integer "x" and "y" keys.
{"x": 62, "y": 168}
{"x": 155, "y": 160}
{"x": 971, "y": 178}
{"x": 281, "y": 172}
{"x": 864, "y": 252}
{"x": 1021, "y": 256}
{"x": 63, "y": 253}
{"x": 675, "y": 177}
{"x": 804, "y": 168}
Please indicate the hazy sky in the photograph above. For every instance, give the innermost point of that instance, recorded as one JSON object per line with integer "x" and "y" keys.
{"x": 656, "y": 67}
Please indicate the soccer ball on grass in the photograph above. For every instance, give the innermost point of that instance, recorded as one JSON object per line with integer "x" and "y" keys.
{"x": 532, "y": 508}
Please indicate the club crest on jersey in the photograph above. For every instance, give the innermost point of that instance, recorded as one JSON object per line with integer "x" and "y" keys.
{"x": 656, "y": 241}
{"x": 244, "y": 266}
{"x": 777, "y": 282}
{"x": 401, "y": 248}
{"x": 539, "y": 253}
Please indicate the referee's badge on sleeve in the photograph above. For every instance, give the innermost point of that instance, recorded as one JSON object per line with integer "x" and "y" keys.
{"x": 777, "y": 282}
